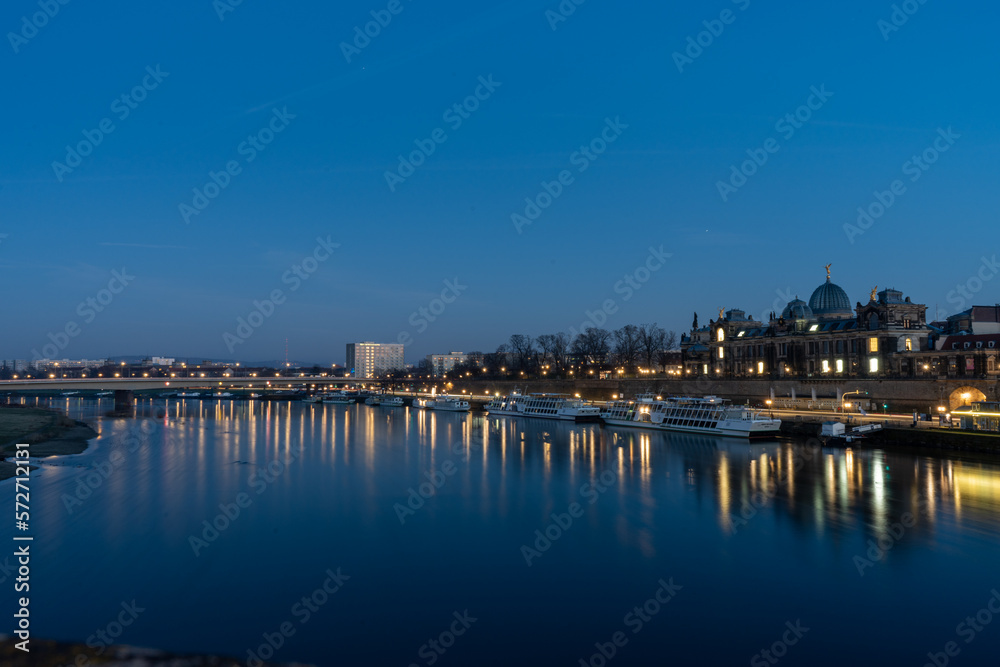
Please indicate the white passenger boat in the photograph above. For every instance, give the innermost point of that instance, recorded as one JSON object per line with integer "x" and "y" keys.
{"x": 317, "y": 398}
{"x": 449, "y": 404}
{"x": 338, "y": 398}
{"x": 544, "y": 406}
{"x": 189, "y": 394}
{"x": 709, "y": 414}
{"x": 443, "y": 403}
{"x": 373, "y": 400}
{"x": 392, "y": 402}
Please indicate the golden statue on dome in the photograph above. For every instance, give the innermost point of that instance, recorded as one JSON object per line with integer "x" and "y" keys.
{"x": 875, "y": 293}
{"x": 827, "y": 267}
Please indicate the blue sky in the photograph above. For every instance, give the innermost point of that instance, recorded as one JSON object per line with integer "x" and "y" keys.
{"x": 323, "y": 175}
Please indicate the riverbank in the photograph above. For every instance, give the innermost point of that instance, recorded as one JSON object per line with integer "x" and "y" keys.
{"x": 923, "y": 395}
{"x": 907, "y": 437}
{"x": 46, "y": 653}
{"x": 49, "y": 433}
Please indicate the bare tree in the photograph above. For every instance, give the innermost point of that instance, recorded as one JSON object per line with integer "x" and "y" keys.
{"x": 547, "y": 344}
{"x": 523, "y": 348}
{"x": 553, "y": 348}
{"x": 494, "y": 361}
{"x": 559, "y": 348}
{"x": 666, "y": 353}
{"x": 627, "y": 345}
{"x": 651, "y": 340}
{"x": 593, "y": 344}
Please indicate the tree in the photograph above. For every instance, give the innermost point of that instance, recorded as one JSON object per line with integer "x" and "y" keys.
{"x": 666, "y": 355}
{"x": 670, "y": 342}
{"x": 594, "y": 345}
{"x": 627, "y": 345}
{"x": 494, "y": 361}
{"x": 554, "y": 347}
{"x": 559, "y": 349}
{"x": 651, "y": 340}
{"x": 546, "y": 343}
{"x": 523, "y": 348}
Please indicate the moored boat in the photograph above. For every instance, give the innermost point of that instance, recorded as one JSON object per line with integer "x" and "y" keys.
{"x": 444, "y": 403}
{"x": 709, "y": 414}
{"x": 338, "y": 398}
{"x": 450, "y": 404}
{"x": 544, "y": 406}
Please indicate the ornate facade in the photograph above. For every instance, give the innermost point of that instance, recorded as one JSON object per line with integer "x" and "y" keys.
{"x": 822, "y": 338}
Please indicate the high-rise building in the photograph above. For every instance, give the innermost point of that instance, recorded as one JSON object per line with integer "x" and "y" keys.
{"x": 371, "y": 360}
{"x": 443, "y": 363}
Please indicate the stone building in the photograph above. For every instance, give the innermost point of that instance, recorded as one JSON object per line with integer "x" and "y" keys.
{"x": 825, "y": 337}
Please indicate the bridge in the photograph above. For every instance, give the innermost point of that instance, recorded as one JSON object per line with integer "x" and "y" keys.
{"x": 125, "y": 388}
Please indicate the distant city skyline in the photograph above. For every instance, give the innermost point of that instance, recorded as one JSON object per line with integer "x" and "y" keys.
{"x": 208, "y": 198}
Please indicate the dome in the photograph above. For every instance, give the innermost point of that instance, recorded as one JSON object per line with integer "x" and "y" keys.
{"x": 797, "y": 310}
{"x": 830, "y": 300}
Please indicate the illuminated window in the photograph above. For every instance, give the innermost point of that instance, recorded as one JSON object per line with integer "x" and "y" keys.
{"x": 909, "y": 345}
{"x": 873, "y": 365}
{"x": 873, "y": 344}
{"x": 706, "y": 369}
{"x": 814, "y": 327}
{"x": 722, "y": 353}
{"x": 760, "y": 366}
{"x": 722, "y": 335}
{"x": 826, "y": 366}
{"x": 840, "y": 365}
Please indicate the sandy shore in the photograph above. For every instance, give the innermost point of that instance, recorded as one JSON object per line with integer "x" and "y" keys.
{"x": 49, "y": 433}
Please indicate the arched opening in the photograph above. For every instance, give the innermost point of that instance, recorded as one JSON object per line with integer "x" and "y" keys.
{"x": 965, "y": 396}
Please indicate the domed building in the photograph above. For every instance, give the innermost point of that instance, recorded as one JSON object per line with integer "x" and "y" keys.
{"x": 830, "y": 301}
{"x": 797, "y": 309}
{"x": 825, "y": 337}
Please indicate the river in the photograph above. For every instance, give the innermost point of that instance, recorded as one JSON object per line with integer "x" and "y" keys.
{"x": 357, "y": 535}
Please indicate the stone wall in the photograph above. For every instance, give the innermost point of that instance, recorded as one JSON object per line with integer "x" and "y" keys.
{"x": 922, "y": 395}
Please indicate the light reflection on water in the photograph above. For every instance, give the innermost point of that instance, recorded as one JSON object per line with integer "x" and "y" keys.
{"x": 758, "y": 533}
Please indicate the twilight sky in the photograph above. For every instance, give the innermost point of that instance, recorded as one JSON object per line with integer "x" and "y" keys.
{"x": 267, "y": 92}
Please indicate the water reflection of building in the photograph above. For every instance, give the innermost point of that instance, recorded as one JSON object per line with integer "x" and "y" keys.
{"x": 822, "y": 489}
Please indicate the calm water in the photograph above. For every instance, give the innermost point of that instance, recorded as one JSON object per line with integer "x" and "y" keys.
{"x": 649, "y": 508}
